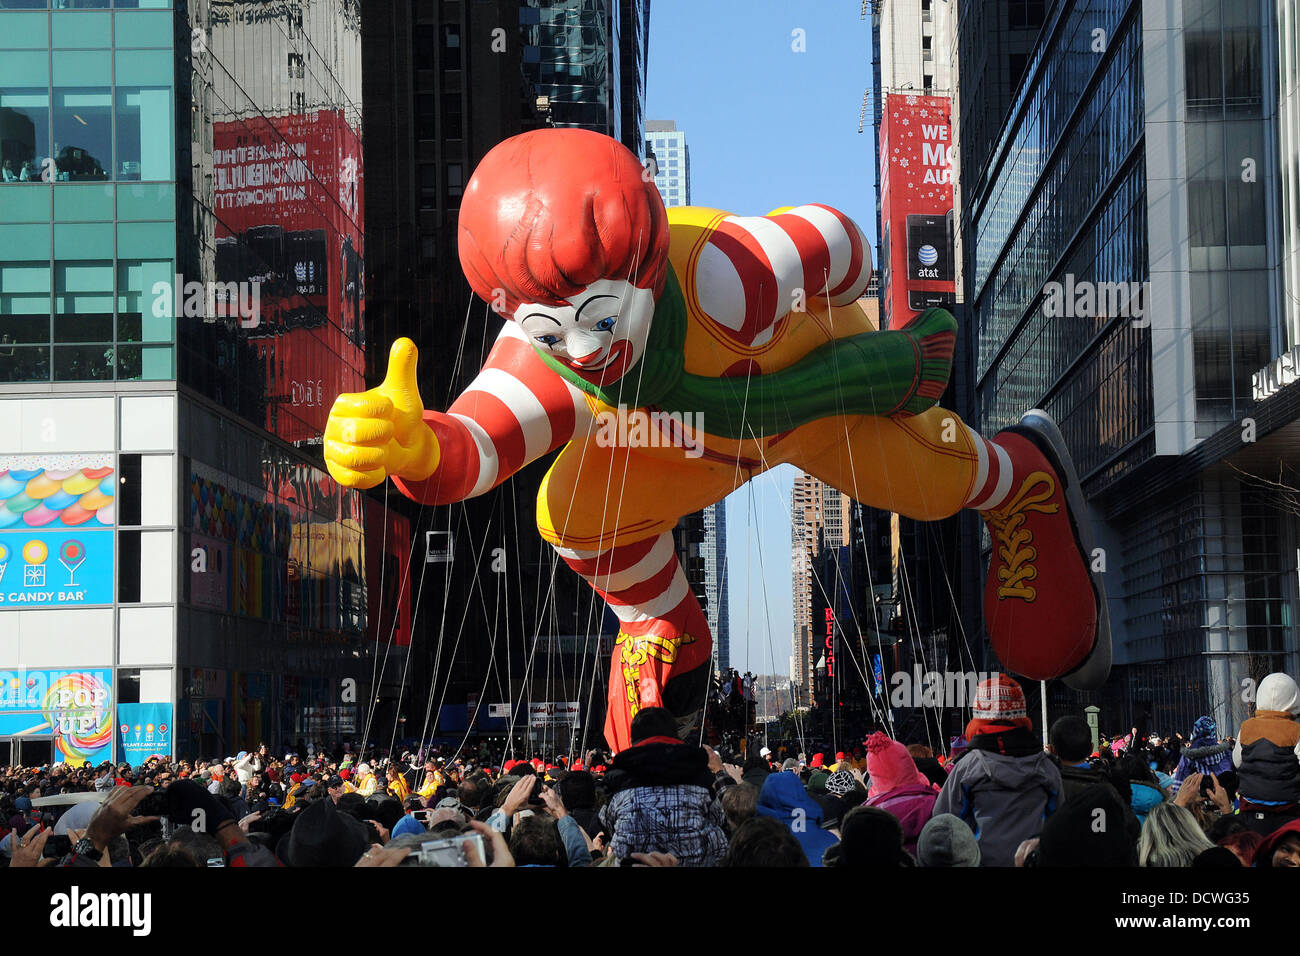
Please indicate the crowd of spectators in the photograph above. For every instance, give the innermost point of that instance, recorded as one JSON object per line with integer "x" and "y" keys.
{"x": 997, "y": 797}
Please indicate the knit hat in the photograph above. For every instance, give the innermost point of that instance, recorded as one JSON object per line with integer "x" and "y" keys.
{"x": 840, "y": 783}
{"x": 890, "y": 766}
{"x": 322, "y": 836}
{"x": 1205, "y": 728}
{"x": 947, "y": 841}
{"x": 999, "y": 706}
{"x": 817, "y": 782}
{"x": 817, "y": 761}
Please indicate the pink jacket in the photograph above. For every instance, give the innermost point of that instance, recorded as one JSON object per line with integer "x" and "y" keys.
{"x": 912, "y": 805}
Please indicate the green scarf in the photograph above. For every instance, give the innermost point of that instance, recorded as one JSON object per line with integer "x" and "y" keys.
{"x": 871, "y": 373}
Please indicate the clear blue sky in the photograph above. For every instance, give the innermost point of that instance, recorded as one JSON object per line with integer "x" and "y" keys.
{"x": 766, "y": 126}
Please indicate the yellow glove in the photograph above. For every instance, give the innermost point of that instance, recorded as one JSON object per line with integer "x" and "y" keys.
{"x": 371, "y": 435}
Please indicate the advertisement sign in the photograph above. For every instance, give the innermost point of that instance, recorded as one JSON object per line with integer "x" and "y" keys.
{"x": 917, "y": 264}
{"x": 555, "y": 714}
{"x": 56, "y": 542}
{"x": 56, "y": 569}
{"x": 142, "y": 731}
{"x": 878, "y": 672}
{"x": 73, "y": 706}
{"x": 289, "y": 196}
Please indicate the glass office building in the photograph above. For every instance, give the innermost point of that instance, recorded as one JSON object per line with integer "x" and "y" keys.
{"x": 181, "y": 298}
{"x": 1128, "y": 153}
{"x": 588, "y": 58}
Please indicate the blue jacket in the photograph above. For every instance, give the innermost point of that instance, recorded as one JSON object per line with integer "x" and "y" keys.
{"x": 783, "y": 798}
{"x": 1144, "y": 798}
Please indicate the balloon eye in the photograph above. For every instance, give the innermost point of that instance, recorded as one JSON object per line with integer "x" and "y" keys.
{"x": 548, "y": 339}
{"x": 604, "y": 325}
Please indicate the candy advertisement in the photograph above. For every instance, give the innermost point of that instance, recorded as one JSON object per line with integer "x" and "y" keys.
{"x": 76, "y": 707}
{"x": 143, "y": 730}
{"x": 56, "y": 538}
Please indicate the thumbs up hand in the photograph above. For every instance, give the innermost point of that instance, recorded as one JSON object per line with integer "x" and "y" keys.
{"x": 373, "y": 434}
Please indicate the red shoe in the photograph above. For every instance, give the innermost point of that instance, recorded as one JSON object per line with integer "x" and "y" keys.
{"x": 1044, "y": 607}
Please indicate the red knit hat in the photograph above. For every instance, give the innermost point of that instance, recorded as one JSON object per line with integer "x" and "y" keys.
{"x": 890, "y": 766}
{"x": 817, "y": 761}
{"x": 999, "y": 706}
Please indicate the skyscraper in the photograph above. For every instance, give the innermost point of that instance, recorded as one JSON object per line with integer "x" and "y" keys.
{"x": 672, "y": 161}
{"x": 181, "y": 295}
{"x": 1129, "y": 156}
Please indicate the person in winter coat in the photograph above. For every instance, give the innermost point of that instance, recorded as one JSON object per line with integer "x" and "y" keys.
{"x": 1281, "y": 847}
{"x": 661, "y": 797}
{"x": 1267, "y": 757}
{"x": 1071, "y": 742}
{"x": 898, "y": 787}
{"x": 1004, "y": 785}
{"x": 1144, "y": 788}
{"x": 1073, "y": 838}
{"x": 1204, "y": 755}
{"x": 784, "y": 799}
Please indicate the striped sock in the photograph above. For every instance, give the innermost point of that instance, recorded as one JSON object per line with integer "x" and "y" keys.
{"x": 993, "y": 478}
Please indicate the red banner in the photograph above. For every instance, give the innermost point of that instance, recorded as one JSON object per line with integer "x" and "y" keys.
{"x": 917, "y": 264}
{"x": 289, "y": 201}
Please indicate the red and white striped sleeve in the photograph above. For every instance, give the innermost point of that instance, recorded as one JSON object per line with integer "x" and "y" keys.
{"x": 515, "y": 411}
{"x": 751, "y": 266}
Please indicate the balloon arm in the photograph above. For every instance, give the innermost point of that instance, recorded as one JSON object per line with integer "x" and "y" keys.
{"x": 515, "y": 411}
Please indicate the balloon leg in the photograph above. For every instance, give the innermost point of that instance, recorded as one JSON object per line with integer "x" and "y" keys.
{"x": 663, "y": 650}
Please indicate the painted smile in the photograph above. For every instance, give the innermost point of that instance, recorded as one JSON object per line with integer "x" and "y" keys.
{"x": 620, "y": 357}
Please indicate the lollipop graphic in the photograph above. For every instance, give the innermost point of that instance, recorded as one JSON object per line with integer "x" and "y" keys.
{"x": 72, "y": 554}
{"x": 80, "y": 729}
{"x": 4, "y": 560}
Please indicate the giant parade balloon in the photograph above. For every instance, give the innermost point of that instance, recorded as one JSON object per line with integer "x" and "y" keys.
{"x": 671, "y": 355}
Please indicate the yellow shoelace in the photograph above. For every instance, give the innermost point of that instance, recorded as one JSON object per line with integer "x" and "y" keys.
{"x": 1015, "y": 541}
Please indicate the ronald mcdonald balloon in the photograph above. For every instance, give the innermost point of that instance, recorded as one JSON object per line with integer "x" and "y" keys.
{"x": 672, "y": 355}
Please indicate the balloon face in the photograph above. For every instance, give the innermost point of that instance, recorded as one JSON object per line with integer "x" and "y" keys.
{"x": 600, "y": 333}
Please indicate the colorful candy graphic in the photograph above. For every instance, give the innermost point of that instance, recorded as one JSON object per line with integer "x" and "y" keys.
{"x": 55, "y": 497}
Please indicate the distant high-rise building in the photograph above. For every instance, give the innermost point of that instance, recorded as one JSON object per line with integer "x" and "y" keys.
{"x": 716, "y": 608}
{"x": 818, "y": 518}
{"x": 672, "y": 161}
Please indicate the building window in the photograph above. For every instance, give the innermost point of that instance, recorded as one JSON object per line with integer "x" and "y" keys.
{"x": 455, "y": 179}
{"x": 1025, "y": 14}
{"x": 451, "y": 47}
{"x": 426, "y": 110}
{"x": 25, "y": 142}
{"x": 144, "y": 133}
{"x": 83, "y": 134}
